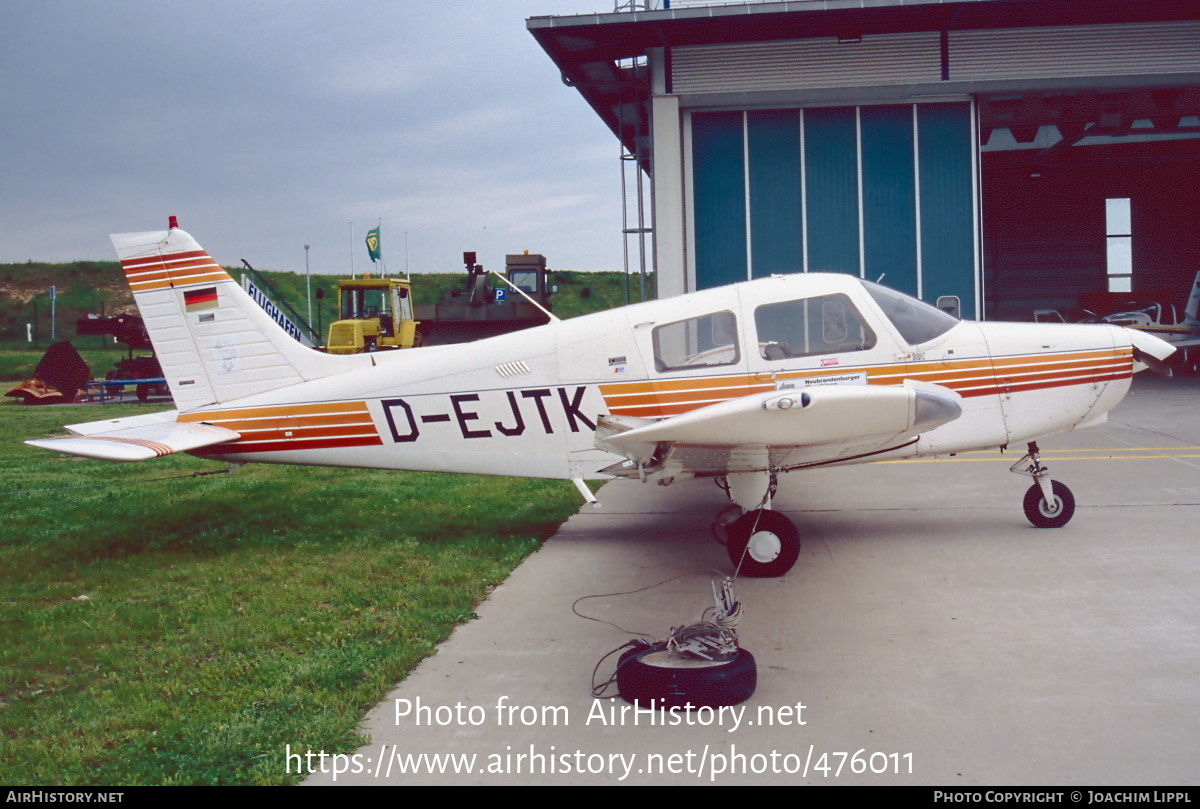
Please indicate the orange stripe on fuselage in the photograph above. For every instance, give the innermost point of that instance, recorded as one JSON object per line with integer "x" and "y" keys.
{"x": 273, "y": 411}
{"x": 282, "y": 433}
{"x": 321, "y": 425}
{"x": 970, "y": 377}
{"x": 291, "y": 444}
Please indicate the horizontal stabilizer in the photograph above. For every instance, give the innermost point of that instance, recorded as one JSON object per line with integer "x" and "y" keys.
{"x": 797, "y": 418}
{"x": 135, "y": 439}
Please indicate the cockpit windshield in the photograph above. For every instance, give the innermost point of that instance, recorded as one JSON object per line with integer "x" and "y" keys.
{"x": 917, "y": 321}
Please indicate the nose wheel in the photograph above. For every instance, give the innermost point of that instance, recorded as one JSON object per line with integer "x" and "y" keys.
{"x": 1053, "y": 513}
{"x": 1048, "y": 503}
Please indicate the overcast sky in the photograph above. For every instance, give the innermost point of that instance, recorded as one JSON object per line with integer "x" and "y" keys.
{"x": 272, "y": 124}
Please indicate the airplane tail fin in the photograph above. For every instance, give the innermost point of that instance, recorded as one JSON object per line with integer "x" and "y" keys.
{"x": 1192, "y": 310}
{"x": 214, "y": 343}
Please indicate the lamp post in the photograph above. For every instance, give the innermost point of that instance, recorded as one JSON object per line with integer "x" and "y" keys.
{"x": 308, "y": 286}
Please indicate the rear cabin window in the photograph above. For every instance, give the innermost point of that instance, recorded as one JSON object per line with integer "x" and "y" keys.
{"x": 828, "y": 324}
{"x": 699, "y": 342}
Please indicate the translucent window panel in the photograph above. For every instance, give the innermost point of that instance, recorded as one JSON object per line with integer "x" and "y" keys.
{"x": 697, "y": 342}
{"x": 917, "y": 321}
{"x": 1120, "y": 255}
{"x": 525, "y": 280}
{"x": 827, "y": 324}
{"x": 1119, "y": 244}
{"x": 1116, "y": 217}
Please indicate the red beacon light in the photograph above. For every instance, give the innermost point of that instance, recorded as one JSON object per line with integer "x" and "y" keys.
{"x": 172, "y": 222}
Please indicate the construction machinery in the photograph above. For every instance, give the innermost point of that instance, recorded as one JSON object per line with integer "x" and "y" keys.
{"x": 375, "y": 314}
{"x": 480, "y": 310}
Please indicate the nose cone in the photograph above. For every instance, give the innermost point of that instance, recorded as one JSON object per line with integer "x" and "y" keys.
{"x": 934, "y": 409}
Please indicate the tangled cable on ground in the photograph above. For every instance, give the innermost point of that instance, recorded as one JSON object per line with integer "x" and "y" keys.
{"x": 713, "y": 638}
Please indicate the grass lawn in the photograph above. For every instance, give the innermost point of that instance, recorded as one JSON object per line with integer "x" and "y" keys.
{"x": 183, "y": 631}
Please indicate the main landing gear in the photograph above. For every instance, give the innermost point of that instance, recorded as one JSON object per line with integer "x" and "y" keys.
{"x": 761, "y": 543}
{"x": 765, "y": 544}
{"x": 1048, "y": 503}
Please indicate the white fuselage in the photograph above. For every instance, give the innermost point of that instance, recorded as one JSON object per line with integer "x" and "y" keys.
{"x": 527, "y": 403}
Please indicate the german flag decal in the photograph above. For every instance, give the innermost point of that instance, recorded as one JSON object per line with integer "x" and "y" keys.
{"x": 197, "y": 299}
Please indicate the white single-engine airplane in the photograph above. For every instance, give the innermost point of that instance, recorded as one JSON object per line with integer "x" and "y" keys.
{"x": 739, "y": 383}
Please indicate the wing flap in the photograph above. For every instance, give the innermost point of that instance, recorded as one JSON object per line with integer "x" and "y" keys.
{"x": 136, "y": 439}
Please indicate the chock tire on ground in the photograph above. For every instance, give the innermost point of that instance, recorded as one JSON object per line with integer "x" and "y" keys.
{"x": 652, "y": 677}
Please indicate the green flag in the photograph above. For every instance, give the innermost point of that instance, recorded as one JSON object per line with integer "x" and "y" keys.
{"x": 373, "y": 244}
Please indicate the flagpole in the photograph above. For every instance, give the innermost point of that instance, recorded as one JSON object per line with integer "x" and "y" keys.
{"x": 382, "y": 263}
{"x": 308, "y": 286}
{"x": 352, "y": 249}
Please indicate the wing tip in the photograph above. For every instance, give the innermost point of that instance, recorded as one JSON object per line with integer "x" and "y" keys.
{"x": 102, "y": 449}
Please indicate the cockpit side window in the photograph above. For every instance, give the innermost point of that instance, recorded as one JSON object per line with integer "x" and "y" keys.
{"x": 698, "y": 342}
{"x": 828, "y": 324}
{"x": 917, "y": 321}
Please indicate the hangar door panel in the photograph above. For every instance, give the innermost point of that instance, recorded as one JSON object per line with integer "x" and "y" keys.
{"x": 777, "y": 223}
{"x": 889, "y": 196}
{"x": 831, "y": 189}
{"x": 946, "y": 179}
{"x": 719, "y": 197}
{"x": 874, "y": 190}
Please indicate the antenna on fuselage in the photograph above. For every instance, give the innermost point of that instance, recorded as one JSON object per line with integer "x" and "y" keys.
{"x": 553, "y": 317}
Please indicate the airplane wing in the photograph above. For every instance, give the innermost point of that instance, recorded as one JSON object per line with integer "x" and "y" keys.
{"x": 139, "y": 438}
{"x": 782, "y": 429}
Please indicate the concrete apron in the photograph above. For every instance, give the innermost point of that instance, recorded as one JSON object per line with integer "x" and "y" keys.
{"x": 930, "y": 634}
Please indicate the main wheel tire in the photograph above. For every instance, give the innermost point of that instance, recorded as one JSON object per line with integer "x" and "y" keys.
{"x": 1037, "y": 512}
{"x": 649, "y": 675}
{"x": 765, "y": 543}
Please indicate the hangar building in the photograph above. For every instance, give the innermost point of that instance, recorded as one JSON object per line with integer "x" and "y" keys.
{"x": 1015, "y": 153}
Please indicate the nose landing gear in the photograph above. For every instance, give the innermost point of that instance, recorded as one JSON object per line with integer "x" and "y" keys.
{"x": 1048, "y": 503}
